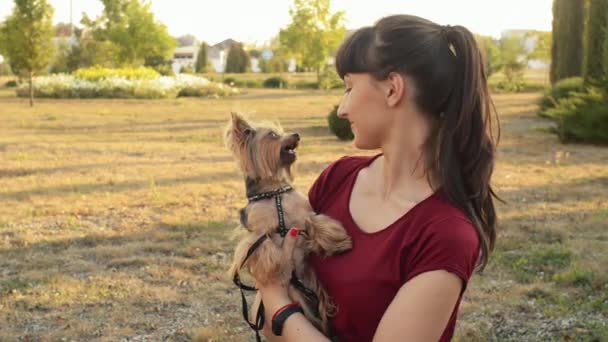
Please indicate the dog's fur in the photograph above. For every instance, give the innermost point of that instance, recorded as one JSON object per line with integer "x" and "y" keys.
{"x": 263, "y": 155}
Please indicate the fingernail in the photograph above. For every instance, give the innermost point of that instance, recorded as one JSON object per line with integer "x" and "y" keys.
{"x": 293, "y": 232}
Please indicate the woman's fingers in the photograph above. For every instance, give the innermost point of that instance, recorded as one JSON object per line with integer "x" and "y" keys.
{"x": 289, "y": 244}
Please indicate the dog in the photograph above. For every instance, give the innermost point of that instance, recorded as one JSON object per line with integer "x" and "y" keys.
{"x": 265, "y": 155}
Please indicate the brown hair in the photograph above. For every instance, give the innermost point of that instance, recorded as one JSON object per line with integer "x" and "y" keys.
{"x": 450, "y": 82}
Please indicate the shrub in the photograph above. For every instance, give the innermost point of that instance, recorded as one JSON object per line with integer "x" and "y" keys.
{"x": 338, "y": 126}
{"x": 11, "y": 84}
{"x": 582, "y": 117}
{"x": 97, "y": 73}
{"x": 505, "y": 86}
{"x": 558, "y": 91}
{"x": 66, "y": 86}
{"x": 306, "y": 85}
{"x": 275, "y": 82}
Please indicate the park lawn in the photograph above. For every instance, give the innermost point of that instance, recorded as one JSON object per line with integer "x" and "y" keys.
{"x": 116, "y": 219}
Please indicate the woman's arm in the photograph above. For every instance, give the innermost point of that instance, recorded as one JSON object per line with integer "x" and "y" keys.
{"x": 421, "y": 309}
{"x": 275, "y": 296}
{"x": 296, "y": 327}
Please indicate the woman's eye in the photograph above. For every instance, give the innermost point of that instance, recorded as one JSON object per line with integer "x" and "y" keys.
{"x": 347, "y": 90}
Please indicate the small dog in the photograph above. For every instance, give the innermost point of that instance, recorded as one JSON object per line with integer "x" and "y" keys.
{"x": 265, "y": 155}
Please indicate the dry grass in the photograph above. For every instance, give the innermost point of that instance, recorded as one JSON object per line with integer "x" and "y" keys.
{"x": 116, "y": 217}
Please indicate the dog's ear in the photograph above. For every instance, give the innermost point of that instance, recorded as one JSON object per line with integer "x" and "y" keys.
{"x": 240, "y": 126}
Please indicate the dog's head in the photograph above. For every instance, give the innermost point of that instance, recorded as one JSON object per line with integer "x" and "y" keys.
{"x": 263, "y": 151}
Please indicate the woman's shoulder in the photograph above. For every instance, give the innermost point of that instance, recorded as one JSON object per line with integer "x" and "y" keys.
{"x": 444, "y": 219}
{"x": 344, "y": 166}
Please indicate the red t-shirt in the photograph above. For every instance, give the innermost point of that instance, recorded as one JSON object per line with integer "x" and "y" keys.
{"x": 434, "y": 235}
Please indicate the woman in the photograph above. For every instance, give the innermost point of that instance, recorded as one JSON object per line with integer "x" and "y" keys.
{"x": 420, "y": 213}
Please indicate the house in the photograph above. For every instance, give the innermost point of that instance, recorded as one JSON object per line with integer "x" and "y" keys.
{"x": 184, "y": 56}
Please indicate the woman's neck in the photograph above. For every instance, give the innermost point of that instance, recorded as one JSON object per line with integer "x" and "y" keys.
{"x": 401, "y": 169}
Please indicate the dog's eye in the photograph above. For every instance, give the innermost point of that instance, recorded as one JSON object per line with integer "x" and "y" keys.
{"x": 273, "y": 135}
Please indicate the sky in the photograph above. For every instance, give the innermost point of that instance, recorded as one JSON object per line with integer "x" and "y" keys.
{"x": 255, "y": 22}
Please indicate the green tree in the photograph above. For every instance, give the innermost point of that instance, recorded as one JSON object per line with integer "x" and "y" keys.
{"x": 59, "y": 62}
{"x": 130, "y": 25}
{"x": 605, "y": 60}
{"x": 514, "y": 58}
{"x": 28, "y": 33}
{"x": 491, "y": 51}
{"x": 314, "y": 32}
{"x": 89, "y": 52}
{"x": 595, "y": 35}
{"x": 542, "y": 47}
{"x": 237, "y": 60}
{"x": 201, "y": 59}
{"x": 567, "y": 43}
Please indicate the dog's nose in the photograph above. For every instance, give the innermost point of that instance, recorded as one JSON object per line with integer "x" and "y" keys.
{"x": 296, "y": 136}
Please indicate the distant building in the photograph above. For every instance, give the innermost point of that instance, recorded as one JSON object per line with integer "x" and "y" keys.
{"x": 184, "y": 56}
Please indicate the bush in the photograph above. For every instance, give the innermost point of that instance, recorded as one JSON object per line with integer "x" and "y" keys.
{"x": 558, "y": 91}
{"x": 11, "y": 84}
{"x": 229, "y": 80}
{"x": 330, "y": 80}
{"x": 66, "y": 86}
{"x": 504, "y": 86}
{"x": 338, "y": 126}
{"x": 164, "y": 70}
{"x": 306, "y": 85}
{"x": 98, "y": 73}
{"x": 186, "y": 70}
{"x": 582, "y": 117}
{"x": 275, "y": 82}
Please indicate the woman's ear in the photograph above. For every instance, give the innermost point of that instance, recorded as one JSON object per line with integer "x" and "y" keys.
{"x": 395, "y": 89}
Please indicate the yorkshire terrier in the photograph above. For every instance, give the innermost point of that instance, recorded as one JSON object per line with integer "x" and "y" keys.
{"x": 265, "y": 155}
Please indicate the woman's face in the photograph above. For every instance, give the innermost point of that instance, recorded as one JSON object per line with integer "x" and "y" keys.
{"x": 364, "y": 105}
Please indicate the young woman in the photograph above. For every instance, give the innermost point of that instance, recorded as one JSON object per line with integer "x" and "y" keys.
{"x": 421, "y": 212}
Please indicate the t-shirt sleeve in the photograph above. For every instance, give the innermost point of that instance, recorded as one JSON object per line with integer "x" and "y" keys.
{"x": 322, "y": 184}
{"x": 450, "y": 244}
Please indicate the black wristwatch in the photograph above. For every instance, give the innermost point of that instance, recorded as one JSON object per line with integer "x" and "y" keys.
{"x": 279, "y": 318}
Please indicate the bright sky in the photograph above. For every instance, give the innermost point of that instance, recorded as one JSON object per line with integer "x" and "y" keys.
{"x": 257, "y": 21}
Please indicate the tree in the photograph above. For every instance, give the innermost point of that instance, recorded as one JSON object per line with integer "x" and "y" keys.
{"x": 491, "y": 51}
{"x": 567, "y": 43}
{"x": 89, "y": 52}
{"x": 237, "y": 59}
{"x": 605, "y": 60}
{"x": 542, "y": 46}
{"x": 201, "y": 59}
{"x": 514, "y": 58}
{"x": 313, "y": 33}
{"x": 595, "y": 35}
{"x": 63, "y": 30}
{"x": 28, "y": 33}
{"x": 130, "y": 25}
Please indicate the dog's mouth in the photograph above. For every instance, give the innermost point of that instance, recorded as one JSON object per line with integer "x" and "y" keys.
{"x": 288, "y": 149}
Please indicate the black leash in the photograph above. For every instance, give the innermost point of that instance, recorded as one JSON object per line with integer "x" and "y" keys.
{"x": 297, "y": 283}
{"x": 259, "y": 318}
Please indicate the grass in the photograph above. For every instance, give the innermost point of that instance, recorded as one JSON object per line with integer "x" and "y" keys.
{"x": 117, "y": 216}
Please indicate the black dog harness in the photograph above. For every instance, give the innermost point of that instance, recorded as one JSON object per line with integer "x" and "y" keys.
{"x": 282, "y": 230}
{"x": 277, "y": 198}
